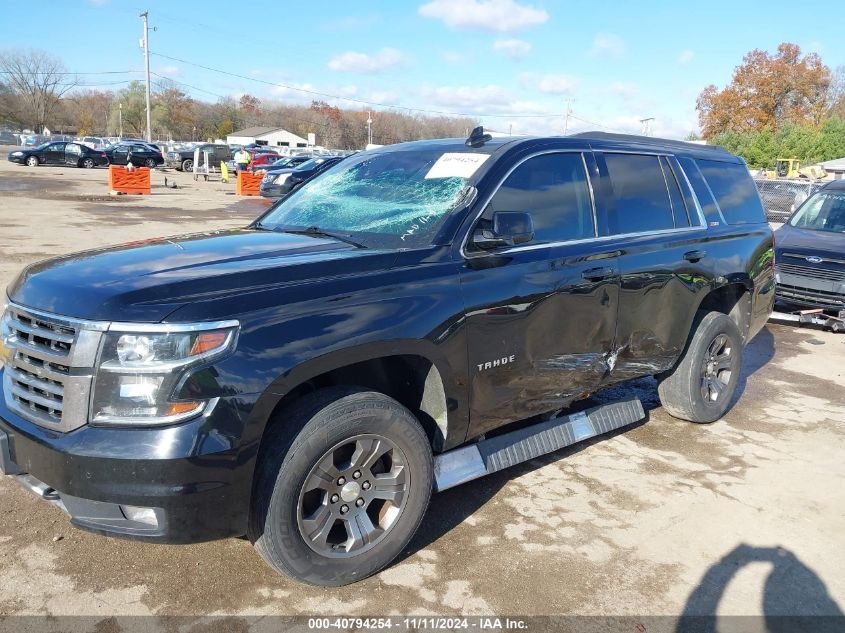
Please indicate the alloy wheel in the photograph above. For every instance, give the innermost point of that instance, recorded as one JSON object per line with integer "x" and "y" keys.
{"x": 353, "y": 496}
{"x": 716, "y": 369}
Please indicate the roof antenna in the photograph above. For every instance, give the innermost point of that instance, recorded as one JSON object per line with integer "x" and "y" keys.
{"x": 477, "y": 137}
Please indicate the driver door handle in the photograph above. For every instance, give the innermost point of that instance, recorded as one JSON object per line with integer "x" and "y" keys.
{"x": 694, "y": 256}
{"x": 597, "y": 274}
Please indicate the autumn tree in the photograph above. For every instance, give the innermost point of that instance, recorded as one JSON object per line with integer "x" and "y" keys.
{"x": 767, "y": 92}
{"x": 38, "y": 80}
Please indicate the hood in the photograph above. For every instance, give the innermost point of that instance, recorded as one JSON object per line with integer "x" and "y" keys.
{"x": 147, "y": 280}
{"x": 827, "y": 244}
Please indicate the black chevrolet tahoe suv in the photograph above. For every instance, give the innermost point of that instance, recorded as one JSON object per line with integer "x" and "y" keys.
{"x": 415, "y": 317}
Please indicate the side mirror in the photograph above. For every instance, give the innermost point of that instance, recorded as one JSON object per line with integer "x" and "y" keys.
{"x": 510, "y": 228}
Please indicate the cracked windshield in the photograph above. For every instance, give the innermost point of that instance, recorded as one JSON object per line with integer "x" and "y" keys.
{"x": 388, "y": 200}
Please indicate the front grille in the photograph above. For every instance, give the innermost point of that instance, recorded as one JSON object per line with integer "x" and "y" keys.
{"x": 48, "y": 375}
{"x": 808, "y": 296}
{"x": 826, "y": 274}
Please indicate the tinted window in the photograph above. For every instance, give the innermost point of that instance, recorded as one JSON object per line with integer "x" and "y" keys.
{"x": 734, "y": 190}
{"x": 640, "y": 194}
{"x": 679, "y": 209}
{"x": 553, "y": 189}
{"x": 705, "y": 198}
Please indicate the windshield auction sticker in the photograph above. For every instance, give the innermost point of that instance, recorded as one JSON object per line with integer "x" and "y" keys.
{"x": 456, "y": 165}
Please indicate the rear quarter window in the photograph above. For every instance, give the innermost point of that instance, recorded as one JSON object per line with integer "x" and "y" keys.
{"x": 735, "y": 191}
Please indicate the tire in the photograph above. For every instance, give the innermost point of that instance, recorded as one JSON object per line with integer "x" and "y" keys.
{"x": 87, "y": 163}
{"x": 188, "y": 164}
{"x": 32, "y": 161}
{"x": 150, "y": 162}
{"x": 703, "y": 383}
{"x": 356, "y": 437}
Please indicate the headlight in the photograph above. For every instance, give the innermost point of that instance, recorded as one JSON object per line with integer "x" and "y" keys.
{"x": 281, "y": 178}
{"x": 139, "y": 372}
{"x": 17, "y": 153}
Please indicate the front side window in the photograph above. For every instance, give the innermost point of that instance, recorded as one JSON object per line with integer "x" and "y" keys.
{"x": 554, "y": 189}
{"x": 640, "y": 194}
{"x": 393, "y": 199}
{"x": 823, "y": 211}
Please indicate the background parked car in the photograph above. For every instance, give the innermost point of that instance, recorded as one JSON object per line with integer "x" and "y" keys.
{"x": 284, "y": 183}
{"x": 288, "y": 162}
{"x": 183, "y": 159}
{"x": 7, "y": 138}
{"x": 142, "y": 155}
{"x": 61, "y": 153}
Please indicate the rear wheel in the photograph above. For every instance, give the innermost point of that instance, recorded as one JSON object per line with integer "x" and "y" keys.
{"x": 702, "y": 385}
{"x": 32, "y": 161}
{"x": 150, "y": 162}
{"x": 341, "y": 486}
{"x": 88, "y": 163}
{"x": 188, "y": 164}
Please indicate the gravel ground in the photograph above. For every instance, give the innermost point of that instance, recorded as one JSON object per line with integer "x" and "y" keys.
{"x": 742, "y": 517}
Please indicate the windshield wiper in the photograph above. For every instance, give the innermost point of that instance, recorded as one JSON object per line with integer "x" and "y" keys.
{"x": 318, "y": 232}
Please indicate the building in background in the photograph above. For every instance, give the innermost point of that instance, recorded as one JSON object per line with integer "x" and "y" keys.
{"x": 835, "y": 168}
{"x": 270, "y": 136}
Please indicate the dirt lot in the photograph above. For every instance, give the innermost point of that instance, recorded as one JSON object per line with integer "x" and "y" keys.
{"x": 744, "y": 516}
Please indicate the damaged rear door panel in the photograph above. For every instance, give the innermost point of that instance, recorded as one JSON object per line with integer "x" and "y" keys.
{"x": 653, "y": 221}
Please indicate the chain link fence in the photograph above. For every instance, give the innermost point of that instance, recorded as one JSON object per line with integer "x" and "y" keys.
{"x": 782, "y": 197}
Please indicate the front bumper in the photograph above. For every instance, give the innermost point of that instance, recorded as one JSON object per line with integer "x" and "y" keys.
{"x": 195, "y": 478}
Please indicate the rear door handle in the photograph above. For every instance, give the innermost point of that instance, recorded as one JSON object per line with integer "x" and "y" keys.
{"x": 694, "y": 256}
{"x": 597, "y": 274}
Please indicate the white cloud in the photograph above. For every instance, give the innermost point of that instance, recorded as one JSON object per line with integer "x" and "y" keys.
{"x": 352, "y": 62}
{"x": 485, "y": 15}
{"x": 607, "y": 44}
{"x": 685, "y": 57}
{"x": 513, "y": 48}
{"x": 488, "y": 99}
{"x": 556, "y": 84}
{"x": 384, "y": 96}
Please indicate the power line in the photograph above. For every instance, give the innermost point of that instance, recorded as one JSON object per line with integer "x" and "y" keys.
{"x": 327, "y": 95}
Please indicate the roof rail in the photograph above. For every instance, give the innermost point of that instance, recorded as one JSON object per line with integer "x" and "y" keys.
{"x": 648, "y": 140}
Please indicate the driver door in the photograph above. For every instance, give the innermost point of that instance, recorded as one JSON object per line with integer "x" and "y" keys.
{"x": 119, "y": 155}
{"x": 540, "y": 316}
{"x": 55, "y": 154}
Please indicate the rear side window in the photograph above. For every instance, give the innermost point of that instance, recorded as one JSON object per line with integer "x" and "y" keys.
{"x": 735, "y": 191}
{"x": 679, "y": 208}
{"x": 553, "y": 189}
{"x": 639, "y": 190}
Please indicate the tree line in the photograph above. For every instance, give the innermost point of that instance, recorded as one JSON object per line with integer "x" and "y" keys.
{"x": 37, "y": 91}
{"x": 778, "y": 105}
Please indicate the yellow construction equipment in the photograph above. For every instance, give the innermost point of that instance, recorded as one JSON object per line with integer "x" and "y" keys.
{"x": 791, "y": 168}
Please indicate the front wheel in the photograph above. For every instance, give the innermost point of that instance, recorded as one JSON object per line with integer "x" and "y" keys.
{"x": 188, "y": 165}
{"x": 32, "y": 161}
{"x": 702, "y": 385}
{"x": 343, "y": 481}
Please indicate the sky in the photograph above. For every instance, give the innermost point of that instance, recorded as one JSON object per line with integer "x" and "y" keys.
{"x": 515, "y": 65}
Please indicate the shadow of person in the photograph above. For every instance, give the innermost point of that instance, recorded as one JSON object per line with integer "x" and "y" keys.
{"x": 794, "y": 597}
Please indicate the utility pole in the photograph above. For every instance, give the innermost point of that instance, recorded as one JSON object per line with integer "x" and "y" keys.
{"x": 145, "y": 43}
{"x": 369, "y": 128}
{"x": 120, "y": 120}
{"x": 647, "y": 125}
{"x": 568, "y": 114}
